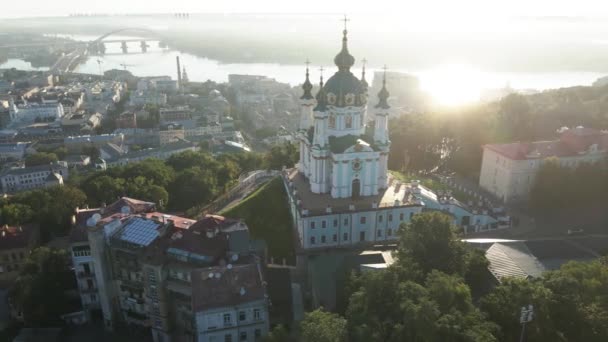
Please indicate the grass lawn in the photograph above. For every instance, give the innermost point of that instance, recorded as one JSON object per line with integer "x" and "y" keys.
{"x": 267, "y": 214}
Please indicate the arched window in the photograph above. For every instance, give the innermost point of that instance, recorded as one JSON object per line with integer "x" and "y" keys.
{"x": 348, "y": 121}
{"x": 332, "y": 121}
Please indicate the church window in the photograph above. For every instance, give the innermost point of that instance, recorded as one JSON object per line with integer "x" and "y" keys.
{"x": 332, "y": 121}
{"x": 390, "y": 217}
{"x": 335, "y": 223}
{"x": 380, "y": 219}
{"x": 345, "y": 236}
{"x": 348, "y": 121}
{"x": 349, "y": 99}
{"x": 335, "y": 238}
{"x": 312, "y": 240}
{"x": 312, "y": 225}
{"x": 323, "y": 224}
{"x": 362, "y": 220}
{"x": 322, "y": 238}
{"x": 389, "y": 232}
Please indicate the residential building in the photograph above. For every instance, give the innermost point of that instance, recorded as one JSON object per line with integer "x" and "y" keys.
{"x": 508, "y": 171}
{"x": 75, "y": 144}
{"x": 82, "y": 261}
{"x": 170, "y": 132}
{"x": 16, "y": 242}
{"x": 80, "y": 122}
{"x": 211, "y": 129}
{"x": 13, "y": 151}
{"x": 147, "y": 97}
{"x": 126, "y": 120}
{"x": 34, "y": 177}
{"x": 30, "y": 112}
{"x": 152, "y": 271}
{"x": 175, "y": 114}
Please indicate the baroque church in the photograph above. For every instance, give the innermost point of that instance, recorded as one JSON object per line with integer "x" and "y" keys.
{"x": 341, "y": 153}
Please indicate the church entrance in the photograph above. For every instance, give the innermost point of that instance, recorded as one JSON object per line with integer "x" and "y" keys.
{"x": 356, "y": 189}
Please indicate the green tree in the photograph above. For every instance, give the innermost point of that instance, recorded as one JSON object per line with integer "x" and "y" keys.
{"x": 40, "y": 158}
{"x": 322, "y": 326}
{"x": 40, "y": 289}
{"x": 192, "y": 186}
{"x": 430, "y": 243}
{"x": 278, "y": 334}
{"x": 102, "y": 188}
{"x": 16, "y": 213}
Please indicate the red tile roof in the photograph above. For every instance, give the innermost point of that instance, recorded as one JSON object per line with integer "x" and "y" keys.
{"x": 572, "y": 142}
{"x": 12, "y": 237}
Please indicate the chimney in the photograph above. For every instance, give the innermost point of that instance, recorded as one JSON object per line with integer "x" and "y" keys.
{"x": 179, "y": 74}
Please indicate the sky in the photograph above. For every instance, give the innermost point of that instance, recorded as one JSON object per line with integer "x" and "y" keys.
{"x": 405, "y": 8}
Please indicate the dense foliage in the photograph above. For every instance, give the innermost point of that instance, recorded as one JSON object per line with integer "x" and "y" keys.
{"x": 426, "y": 295}
{"x": 41, "y": 289}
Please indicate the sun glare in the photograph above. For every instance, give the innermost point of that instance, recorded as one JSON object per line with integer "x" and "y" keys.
{"x": 452, "y": 84}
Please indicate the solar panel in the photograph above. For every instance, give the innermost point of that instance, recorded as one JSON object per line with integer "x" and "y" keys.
{"x": 139, "y": 231}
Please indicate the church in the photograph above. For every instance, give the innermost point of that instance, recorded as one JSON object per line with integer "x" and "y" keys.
{"x": 341, "y": 193}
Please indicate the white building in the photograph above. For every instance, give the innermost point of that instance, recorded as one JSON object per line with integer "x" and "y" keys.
{"x": 34, "y": 177}
{"x": 341, "y": 194}
{"x": 230, "y": 303}
{"x": 509, "y": 170}
{"x": 147, "y": 97}
{"x": 13, "y": 151}
{"x": 31, "y": 112}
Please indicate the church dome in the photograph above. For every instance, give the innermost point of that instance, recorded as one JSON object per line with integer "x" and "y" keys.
{"x": 343, "y": 89}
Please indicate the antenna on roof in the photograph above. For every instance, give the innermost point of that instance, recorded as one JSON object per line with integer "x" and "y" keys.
{"x": 218, "y": 275}
{"x": 242, "y": 291}
{"x": 210, "y": 275}
{"x": 235, "y": 257}
{"x": 229, "y": 266}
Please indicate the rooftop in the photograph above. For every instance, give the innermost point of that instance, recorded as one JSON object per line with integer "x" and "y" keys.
{"x": 15, "y": 236}
{"x": 396, "y": 194}
{"x": 572, "y": 142}
{"x": 218, "y": 287}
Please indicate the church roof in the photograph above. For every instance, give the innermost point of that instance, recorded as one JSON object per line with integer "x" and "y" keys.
{"x": 307, "y": 87}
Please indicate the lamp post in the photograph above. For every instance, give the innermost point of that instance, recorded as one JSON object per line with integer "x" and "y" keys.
{"x": 526, "y": 316}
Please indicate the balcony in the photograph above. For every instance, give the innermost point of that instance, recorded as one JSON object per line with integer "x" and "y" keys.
{"x": 83, "y": 274}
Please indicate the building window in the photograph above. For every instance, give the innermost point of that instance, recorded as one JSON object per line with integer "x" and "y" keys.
{"x": 348, "y": 121}
{"x": 390, "y": 217}
{"x": 362, "y": 220}
{"x": 312, "y": 240}
{"x": 346, "y": 222}
{"x": 389, "y": 232}
{"x": 227, "y": 338}
{"x": 227, "y": 320}
{"x": 380, "y": 219}
{"x": 361, "y": 236}
{"x": 345, "y": 236}
{"x": 323, "y": 225}
{"x": 322, "y": 238}
{"x": 332, "y": 121}
{"x": 242, "y": 316}
{"x": 258, "y": 333}
{"x": 312, "y": 225}
{"x": 379, "y": 233}
{"x": 401, "y": 216}
{"x": 411, "y": 215}
{"x": 335, "y": 223}
{"x": 243, "y": 336}
{"x": 257, "y": 315}
{"x": 335, "y": 238}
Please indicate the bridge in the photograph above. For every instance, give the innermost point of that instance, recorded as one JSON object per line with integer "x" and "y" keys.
{"x": 78, "y": 50}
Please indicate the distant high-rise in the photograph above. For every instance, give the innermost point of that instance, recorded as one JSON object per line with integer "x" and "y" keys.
{"x": 179, "y": 73}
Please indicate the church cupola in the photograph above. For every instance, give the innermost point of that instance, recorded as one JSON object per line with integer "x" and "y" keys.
{"x": 321, "y": 97}
{"x": 344, "y": 60}
{"x": 383, "y": 95}
{"x": 363, "y": 81}
{"x": 307, "y": 87}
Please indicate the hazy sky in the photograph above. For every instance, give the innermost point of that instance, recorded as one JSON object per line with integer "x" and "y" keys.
{"x": 409, "y": 8}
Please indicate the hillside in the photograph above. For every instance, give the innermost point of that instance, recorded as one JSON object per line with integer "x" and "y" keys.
{"x": 267, "y": 214}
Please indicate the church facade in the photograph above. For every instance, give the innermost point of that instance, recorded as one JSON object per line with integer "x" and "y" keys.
{"x": 341, "y": 193}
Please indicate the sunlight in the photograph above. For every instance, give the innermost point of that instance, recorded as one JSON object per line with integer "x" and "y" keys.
{"x": 452, "y": 84}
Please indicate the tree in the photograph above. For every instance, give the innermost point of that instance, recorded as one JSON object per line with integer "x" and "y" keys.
{"x": 279, "y": 156}
{"x": 16, "y": 213}
{"x": 40, "y": 289}
{"x": 102, "y": 188}
{"x": 278, "y": 334}
{"x": 430, "y": 243}
{"x": 322, "y": 326}
{"x": 40, "y": 158}
{"x": 192, "y": 186}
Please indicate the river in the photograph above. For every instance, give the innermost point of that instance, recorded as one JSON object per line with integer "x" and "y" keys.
{"x": 450, "y": 82}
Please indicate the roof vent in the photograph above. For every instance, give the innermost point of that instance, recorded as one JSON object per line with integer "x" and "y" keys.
{"x": 218, "y": 275}
{"x": 210, "y": 275}
{"x": 242, "y": 291}
{"x": 235, "y": 257}
{"x": 229, "y": 266}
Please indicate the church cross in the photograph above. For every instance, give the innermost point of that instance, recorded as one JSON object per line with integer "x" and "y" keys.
{"x": 345, "y": 20}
